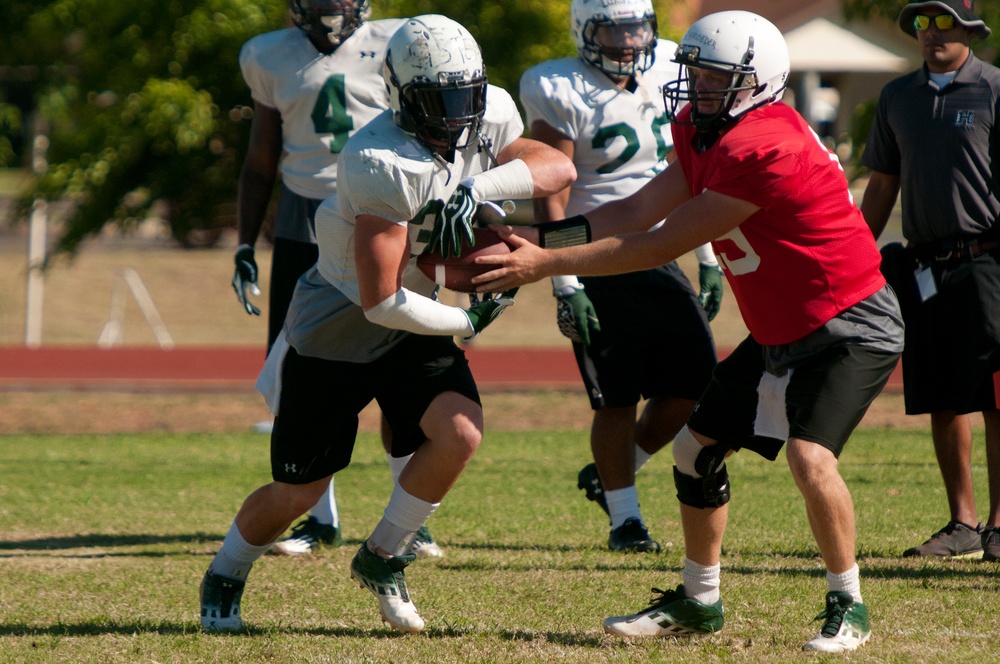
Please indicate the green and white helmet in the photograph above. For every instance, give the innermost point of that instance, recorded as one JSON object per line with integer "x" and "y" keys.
{"x": 436, "y": 80}
{"x": 617, "y": 37}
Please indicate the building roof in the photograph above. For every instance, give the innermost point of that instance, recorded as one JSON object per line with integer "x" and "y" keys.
{"x": 822, "y": 46}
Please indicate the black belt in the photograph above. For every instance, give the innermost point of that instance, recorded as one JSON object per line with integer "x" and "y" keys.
{"x": 954, "y": 250}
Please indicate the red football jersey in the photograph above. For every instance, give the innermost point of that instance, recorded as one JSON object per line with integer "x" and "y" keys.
{"x": 807, "y": 254}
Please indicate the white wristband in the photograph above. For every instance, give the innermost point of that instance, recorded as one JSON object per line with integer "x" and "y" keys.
{"x": 412, "y": 312}
{"x": 565, "y": 284}
{"x": 510, "y": 180}
{"x": 705, "y": 255}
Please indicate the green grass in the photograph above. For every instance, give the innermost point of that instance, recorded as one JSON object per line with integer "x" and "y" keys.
{"x": 103, "y": 540}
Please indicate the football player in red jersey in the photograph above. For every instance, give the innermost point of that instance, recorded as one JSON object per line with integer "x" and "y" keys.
{"x": 825, "y": 330}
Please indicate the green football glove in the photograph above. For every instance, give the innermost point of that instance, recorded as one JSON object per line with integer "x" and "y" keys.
{"x": 576, "y": 315}
{"x": 455, "y": 217}
{"x": 710, "y": 286}
{"x": 245, "y": 278}
{"x": 483, "y": 312}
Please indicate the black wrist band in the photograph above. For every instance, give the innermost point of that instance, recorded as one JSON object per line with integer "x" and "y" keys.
{"x": 566, "y": 233}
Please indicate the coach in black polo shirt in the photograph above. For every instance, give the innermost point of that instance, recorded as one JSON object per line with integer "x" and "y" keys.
{"x": 937, "y": 133}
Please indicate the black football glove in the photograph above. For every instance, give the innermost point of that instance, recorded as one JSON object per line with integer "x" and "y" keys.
{"x": 245, "y": 278}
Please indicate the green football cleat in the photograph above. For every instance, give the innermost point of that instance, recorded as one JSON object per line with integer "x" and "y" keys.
{"x": 424, "y": 546}
{"x": 670, "y": 613}
{"x": 589, "y": 480}
{"x": 845, "y": 625}
{"x": 383, "y": 577}
{"x": 307, "y": 537}
{"x": 632, "y": 536}
{"x": 220, "y": 603}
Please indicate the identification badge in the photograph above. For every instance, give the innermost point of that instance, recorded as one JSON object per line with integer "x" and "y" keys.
{"x": 925, "y": 283}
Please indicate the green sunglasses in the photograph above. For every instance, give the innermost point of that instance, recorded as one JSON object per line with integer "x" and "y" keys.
{"x": 941, "y": 21}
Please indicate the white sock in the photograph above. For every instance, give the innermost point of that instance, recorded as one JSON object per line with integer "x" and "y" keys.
{"x": 701, "y": 582}
{"x": 325, "y": 510}
{"x": 623, "y": 504}
{"x": 396, "y": 465}
{"x": 402, "y": 518}
{"x": 642, "y": 457}
{"x": 848, "y": 582}
{"x": 236, "y": 556}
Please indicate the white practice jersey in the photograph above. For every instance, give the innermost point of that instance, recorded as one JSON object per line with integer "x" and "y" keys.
{"x": 620, "y": 139}
{"x": 323, "y": 99}
{"x": 387, "y": 173}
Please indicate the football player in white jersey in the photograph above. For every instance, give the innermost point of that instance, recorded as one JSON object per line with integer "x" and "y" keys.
{"x": 364, "y": 323}
{"x": 641, "y": 334}
{"x": 313, "y": 85}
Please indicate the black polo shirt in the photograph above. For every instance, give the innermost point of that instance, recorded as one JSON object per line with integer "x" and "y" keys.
{"x": 945, "y": 146}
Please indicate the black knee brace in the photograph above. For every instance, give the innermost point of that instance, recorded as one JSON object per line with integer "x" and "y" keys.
{"x": 709, "y": 491}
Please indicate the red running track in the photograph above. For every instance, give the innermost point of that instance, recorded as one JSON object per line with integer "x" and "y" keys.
{"x": 235, "y": 368}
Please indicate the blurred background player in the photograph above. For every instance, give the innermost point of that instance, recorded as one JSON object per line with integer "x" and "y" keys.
{"x": 313, "y": 86}
{"x": 803, "y": 266}
{"x": 636, "y": 335}
{"x": 363, "y": 323}
{"x": 948, "y": 277}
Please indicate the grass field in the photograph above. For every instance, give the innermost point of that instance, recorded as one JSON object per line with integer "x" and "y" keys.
{"x": 104, "y": 540}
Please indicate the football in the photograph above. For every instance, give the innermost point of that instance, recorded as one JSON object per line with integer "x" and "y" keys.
{"x": 456, "y": 273}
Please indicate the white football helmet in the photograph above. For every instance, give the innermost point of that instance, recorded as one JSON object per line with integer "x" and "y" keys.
{"x": 333, "y": 20}
{"x": 436, "y": 80}
{"x": 616, "y": 36}
{"x": 741, "y": 43}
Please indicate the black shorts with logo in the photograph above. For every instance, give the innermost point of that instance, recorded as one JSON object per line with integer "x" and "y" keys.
{"x": 317, "y": 421}
{"x": 655, "y": 340}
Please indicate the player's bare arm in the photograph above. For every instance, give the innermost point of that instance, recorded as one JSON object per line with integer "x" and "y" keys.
{"x": 380, "y": 255}
{"x": 550, "y": 208}
{"x": 699, "y": 220}
{"x": 551, "y": 170}
{"x": 878, "y": 201}
{"x": 259, "y": 171}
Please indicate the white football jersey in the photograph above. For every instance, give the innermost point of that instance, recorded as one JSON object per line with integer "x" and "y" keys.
{"x": 620, "y": 139}
{"x": 387, "y": 173}
{"x": 323, "y": 99}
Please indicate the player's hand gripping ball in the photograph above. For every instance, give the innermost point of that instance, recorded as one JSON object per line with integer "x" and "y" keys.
{"x": 456, "y": 272}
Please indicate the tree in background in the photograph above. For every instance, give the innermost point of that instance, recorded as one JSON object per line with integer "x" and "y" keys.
{"x": 144, "y": 104}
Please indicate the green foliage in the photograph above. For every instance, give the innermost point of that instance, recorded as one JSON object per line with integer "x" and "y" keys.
{"x": 143, "y": 100}
{"x": 514, "y": 34}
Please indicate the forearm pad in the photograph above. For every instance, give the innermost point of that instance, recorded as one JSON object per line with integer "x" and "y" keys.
{"x": 566, "y": 233}
{"x": 412, "y": 312}
{"x": 510, "y": 180}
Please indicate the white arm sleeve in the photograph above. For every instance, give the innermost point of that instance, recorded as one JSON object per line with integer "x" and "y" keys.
{"x": 412, "y": 312}
{"x": 510, "y": 180}
{"x": 565, "y": 284}
{"x": 705, "y": 255}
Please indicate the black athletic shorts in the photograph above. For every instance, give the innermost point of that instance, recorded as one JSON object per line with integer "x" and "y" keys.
{"x": 317, "y": 421}
{"x": 654, "y": 340}
{"x": 828, "y": 393}
{"x": 952, "y": 343}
